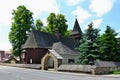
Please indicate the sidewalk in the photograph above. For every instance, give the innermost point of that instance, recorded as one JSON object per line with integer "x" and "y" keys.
{"x": 32, "y": 66}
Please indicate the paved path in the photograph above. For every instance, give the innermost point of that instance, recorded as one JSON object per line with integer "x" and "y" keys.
{"x": 14, "y": 73}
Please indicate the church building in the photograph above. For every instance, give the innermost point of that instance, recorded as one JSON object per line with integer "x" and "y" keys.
{"x": 52, "y": 50}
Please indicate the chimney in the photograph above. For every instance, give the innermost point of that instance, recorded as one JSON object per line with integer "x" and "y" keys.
{"x": 57, "y": 33}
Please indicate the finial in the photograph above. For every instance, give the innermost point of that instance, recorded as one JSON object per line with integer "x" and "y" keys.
{"x": 76, "y": 16}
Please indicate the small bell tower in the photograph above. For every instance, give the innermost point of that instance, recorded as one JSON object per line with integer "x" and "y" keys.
{"x": 76, "y": 33}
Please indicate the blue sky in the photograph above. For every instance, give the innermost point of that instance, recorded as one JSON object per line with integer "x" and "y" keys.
{"x": 101, "y": 12}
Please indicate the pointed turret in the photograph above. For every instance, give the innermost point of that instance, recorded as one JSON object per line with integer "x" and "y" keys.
{"x": 76, "y": 33}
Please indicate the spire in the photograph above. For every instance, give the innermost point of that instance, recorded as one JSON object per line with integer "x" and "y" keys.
{"x": 76, "y": 28}
{"x": 76, "y": 33}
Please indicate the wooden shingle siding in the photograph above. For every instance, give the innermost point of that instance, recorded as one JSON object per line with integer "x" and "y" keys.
{"x": 34, "y": 54}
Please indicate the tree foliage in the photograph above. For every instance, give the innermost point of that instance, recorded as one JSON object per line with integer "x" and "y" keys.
{"x": 56, "y": 22}
{"x": 89, "y": 46}
{"x": 22, "y": 23}
{"x": 109, "y": 45}
{"x": 38, "y": 25}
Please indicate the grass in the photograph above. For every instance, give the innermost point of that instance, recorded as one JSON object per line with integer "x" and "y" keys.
{"x": 116, "y": 72}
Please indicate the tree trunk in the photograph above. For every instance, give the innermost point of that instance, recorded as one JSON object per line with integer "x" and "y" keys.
{"x": 20, "y": 59}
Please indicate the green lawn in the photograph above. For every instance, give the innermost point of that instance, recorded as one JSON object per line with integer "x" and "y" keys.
{"x": 116, "y": 72}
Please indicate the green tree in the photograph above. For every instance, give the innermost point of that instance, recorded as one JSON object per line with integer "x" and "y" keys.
{"x": 109, "y": 46}
{"x": 56, "y": 22}
{"x": 67, "y": 33}
{"x": 117, "y": 48}
{"x": 22, "y": 23}
{"x": 89, "y": 46}
{"x": 38, "y": 25}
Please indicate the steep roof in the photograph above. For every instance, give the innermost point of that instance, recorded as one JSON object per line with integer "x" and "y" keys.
{"x": 76, "y": 28}
{"x": 31, "y": 42}
{"x": 39, "y": 39}
{"x": 63, "y": 49}
{"x": 55, "y": 54}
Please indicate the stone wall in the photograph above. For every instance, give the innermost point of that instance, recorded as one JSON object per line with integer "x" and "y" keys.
{"x": 100, "y": 67}
{"x": 104, "y": 67}
{"x": 103, "y": 70}
{"x": 75, "y": 68}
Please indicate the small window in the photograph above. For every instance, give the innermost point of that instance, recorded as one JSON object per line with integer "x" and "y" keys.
{"x": 71, "y": 61}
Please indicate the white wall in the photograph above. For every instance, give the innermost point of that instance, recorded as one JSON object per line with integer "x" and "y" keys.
{"x": 50, "y": 62}
{"x": 66, "y": 57}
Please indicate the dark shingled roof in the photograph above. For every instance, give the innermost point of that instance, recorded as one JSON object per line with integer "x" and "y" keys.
{"x": 39, "y": 39}
{"x": 76, "y": 29}
{"x": 63, "y": 49}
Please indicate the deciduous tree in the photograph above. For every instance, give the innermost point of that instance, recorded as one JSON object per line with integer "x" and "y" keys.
{"x": 56, "y": 22}
{"x": 22, "y": 23}
{"x": 38, "y": 25}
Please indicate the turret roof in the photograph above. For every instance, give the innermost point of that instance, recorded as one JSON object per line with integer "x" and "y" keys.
{"x": 76, "y": 29}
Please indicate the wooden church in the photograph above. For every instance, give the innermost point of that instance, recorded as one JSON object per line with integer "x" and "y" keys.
{"x": 41, "y": 46}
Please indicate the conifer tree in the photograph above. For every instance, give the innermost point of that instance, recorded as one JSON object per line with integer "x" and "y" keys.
{"x": 109, "y": 45}
{"x": 89, "y": 48}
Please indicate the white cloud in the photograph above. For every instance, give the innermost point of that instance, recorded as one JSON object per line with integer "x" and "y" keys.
{"x": 36, "y": 6}
{"x": 118, "y": 31}
{"x": 101, "y": 7}
{"x": 73, "y": 2}
{"x": 6, "y": 7}
{"x": 44, "y": 21}
{"x": 81, "y": 14}
{"x": 5, "y": 45}
{"x": 97, "y": 22}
